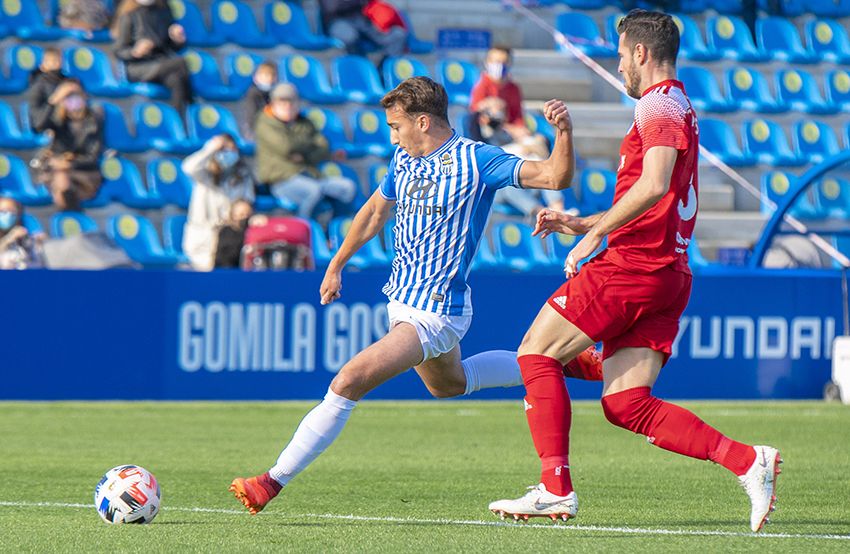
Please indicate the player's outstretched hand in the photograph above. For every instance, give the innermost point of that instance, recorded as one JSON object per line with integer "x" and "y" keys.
{"x": 558, "y": 115}
{"x": 552, "y": 221}
{"x": 585, "y": 247}
{"x": 331, "y": 285}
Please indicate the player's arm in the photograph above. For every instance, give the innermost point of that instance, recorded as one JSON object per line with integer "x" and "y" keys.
{"x": 553, "y": 221}
{"x": 556, "y": 172}
{"x": 368, "y": 222}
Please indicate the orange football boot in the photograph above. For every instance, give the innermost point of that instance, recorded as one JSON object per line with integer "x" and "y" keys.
{"x": 255, "y": 492}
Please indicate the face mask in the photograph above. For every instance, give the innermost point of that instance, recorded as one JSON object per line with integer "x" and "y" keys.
{"x": 75, "y": 103}
{"x": 7, "y": 220}
{"x": 265, "y": 87}
{"x": 496, "y": 71}
{"x": 226, "y": 159}
{"x": 145, "y": 2}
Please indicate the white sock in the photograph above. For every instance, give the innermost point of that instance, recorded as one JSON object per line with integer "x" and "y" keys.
{"x": 319, "y": 428}
{"x": 495, "y": 368}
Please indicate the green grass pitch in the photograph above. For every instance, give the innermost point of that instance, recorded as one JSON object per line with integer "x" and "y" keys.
{"x": 415, "y": 476}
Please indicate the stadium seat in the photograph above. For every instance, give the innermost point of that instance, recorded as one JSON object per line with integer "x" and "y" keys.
{"x": 695, "y": 257}
{"x": 729, "y": 37}
{"x": 415, "y": 45}
{"x": 536, "y": 123}
{"x": 790, "y": 8}
{"x": 725, "y": 6}
{"x": 559, "y": 245}
{"x": 828, "y": 8}
{"x": 396, "y": 70}
{"x": 377, "y": 172}
{"x": 372, "y": 254}
{"x": 370, "y": 130}
{"x": 115, "y": 132}
{"x": 287, "y": 23}
{"x": 166, "y": 179}
{"x": 704, "y": 91}
{"x": 15, "y": 181}
{"x": 208, "y": 120}
{"x": 234, "y": 21}
{"x": 457, "y": 77}
{"x": 692, "y": 44}
{"x": 123, "y": 183}
{"x": 828, "y": 40}
{"x": 749, "y": 89}
{"x": 319, "y": 242}
{"x": 239, "y": 70}
{"x": 11, "y": 135}
{"x": 137, "y": 236}
{"x": 68, "y": 224}
{"x": 329, "y": 123}
{"x": 597, "y": 190}
{"x": 814, "y": 141}
{"x": 357, "y": 79}
{"x": 778, "y": 38}
{"x": 32, "y": 224}
{"x": 334, "y": 169}
{"x": 775, "y": 185}
{"x": 718, "y": 137}
{"x": 308, "y": 75}
{"x": 206, "y": 78}
{"x": 20, "y": 60}
{"x": 23, "y": 18}
{"x": 799, "y": 90}
{"x": 94, "y": 70}
{"x": 188, "y": 14}
{"x": 484, "y": 258}
{"x": 172, "y": 236}
{"x": 160, "y": 127}
{"x": 153, "y": 91}
{"x": 516, "y": 249}
{"x": 581, "y": 30}
{"x": 833, "y": 197}
{"x": 838, "y": 88}
{"x": 766, "y": 142}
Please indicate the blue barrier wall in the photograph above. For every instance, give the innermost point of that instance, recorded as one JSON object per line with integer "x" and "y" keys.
{"x": 234, "y": 335}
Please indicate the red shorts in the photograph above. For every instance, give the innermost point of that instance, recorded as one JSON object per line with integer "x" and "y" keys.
{"x": 624, "y": 309}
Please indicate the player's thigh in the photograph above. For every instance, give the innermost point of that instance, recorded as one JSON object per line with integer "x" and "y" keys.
{"x": 392, "y": 355}
{"x": 443, "y": 375}
{"x": 629, "y": 368}
{"x": 552, "y": 335}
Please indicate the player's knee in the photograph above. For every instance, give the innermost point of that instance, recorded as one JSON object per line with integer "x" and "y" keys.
{"x": 617, "y": 411}
{"x": 446, "y": 390}
{"x": 349, "y": 385}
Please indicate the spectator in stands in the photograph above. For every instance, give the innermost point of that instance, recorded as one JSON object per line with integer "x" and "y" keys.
{"x": 18, "y": 249}
{"x": 289, "y": 150}
{"x": 231, "y": 235}
{"x": 258, "y": 95}
{"x": 221, "y": 177}
{"x": 363, "y": 23}
{"x": 70, "y": 165}
{"x": 43, "y": 82}
{"x": 147, "y": 41}
{"x": 86, "y": 15}
{"x": 496, "y": 82}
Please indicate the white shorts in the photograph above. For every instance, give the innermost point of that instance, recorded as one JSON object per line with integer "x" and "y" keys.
{"x": 437, "y": 333}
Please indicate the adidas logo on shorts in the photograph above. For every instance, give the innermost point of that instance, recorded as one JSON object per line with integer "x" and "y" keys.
{"x": 561, "y": 301}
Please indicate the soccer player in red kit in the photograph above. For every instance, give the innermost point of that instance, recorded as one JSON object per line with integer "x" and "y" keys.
{"x": 631, "y": 296}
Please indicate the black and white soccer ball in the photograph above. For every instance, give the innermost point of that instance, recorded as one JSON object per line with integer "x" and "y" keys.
{"x": 127, "y": 494}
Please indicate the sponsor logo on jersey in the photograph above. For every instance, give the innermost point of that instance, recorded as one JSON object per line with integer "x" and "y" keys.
{"x": 421, "y": 189}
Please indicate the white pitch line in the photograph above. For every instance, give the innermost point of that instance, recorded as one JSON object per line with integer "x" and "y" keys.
{"x": 471, "y": 522}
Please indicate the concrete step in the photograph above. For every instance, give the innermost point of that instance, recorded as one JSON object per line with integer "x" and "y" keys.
{"x": 729, "y": 227}
{"x": 716, "y": 197}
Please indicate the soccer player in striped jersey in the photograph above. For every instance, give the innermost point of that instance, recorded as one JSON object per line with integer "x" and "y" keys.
{"x": 441, "y": 186}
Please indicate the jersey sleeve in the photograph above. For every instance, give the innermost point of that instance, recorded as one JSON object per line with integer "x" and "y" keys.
{"x": 387, "y": 186}
{"x": 661, "y": 120}
{"x": 496, "y": 168}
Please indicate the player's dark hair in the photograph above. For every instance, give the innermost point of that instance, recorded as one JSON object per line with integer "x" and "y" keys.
{"x": 656, "y": 31}
{"x": 419, "y": 95}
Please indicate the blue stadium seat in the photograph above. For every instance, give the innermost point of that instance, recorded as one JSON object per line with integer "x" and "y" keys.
{"x": 11, "y": 135}
{"x": 729, "y": 37}
{"x": 725, "y": 6}
{"x": 828, "y": 40}
{"x": 377, "y": 172}
{"x": 766, "y": 142}
{"x": 239, "y": 70}
{"x": 357, "y": 79}
{"x": 581, "y": 30}
{"x": 695, "y": 257}
{"x": 188, "y": 14}
{"x": 749, "y": 89}
{"x": 398, "y": 69}
{"x": 334, "y": 169}
{"x": 287, "y": 23}
{"x": 94, "y": 70}
{"x": 837, "y": 87}
{"x": 611, "y": 33}
{"x": 833, "y": 197}
{"x": 597, "y": 190}
{"x": 484, "y": 258}
{"x": 166, "y": 179}
{"x": 516, "y": 249}
{"x": 372, "y": 254}
{"x": 206, "y": 78}
{"x": 536, "y": 123}
{"x": 329, "y": 123}
{"x": 319, "y": 242}
{"x": 828, "y": 8}
{"x": 704, "y": 91}
{"x": 123, "y": 183}
{"x": 691, "y": 42}
{"x": 559, "y": 247}
{"x": 234, "y": 21}
{"x": 415, "y": 45}
{"x": 389, "y": 238}
{"x": 153, "y": 91}
{"x": 68, "y": 224}
{"x": 116, "y": 134}
{"x": 172, "y": 237}
{"x": 370, "y": 130}
{"x": 32, "y": 224}
{"x": 458, "y": 77}
{"x": 775, "y": 185}
{"x": 578, "y": 4}
{"x": 15, "y": 181}
{"x": 790, "y": 8}
{"x": 137, "y": 236}
{"x": 20, "y": 60}
{"x": 779, "y": 39}
{"x": 26, "y": 124}
{"x": 799, "y": 90}
{"x": 308, "y": 75}
{"x": 814, "y": 141}
{"x": 207, "y": 120}
{"x": 23, "y": 18}
{"x": 718, "y": 137}
{"x": 159, "y": 127}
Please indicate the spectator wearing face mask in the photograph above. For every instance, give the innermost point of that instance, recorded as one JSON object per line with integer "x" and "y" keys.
{"x": 221, "y": 177}
{"x": 18, "y": 249}
{"x": 289, "y": 151}
{"x": 257, "y": 96}
{"x": 69, "y": 166}
{"x": 496, "y": 82}
{"x": 43, "y": 82}
{"x": 231, "y": 235}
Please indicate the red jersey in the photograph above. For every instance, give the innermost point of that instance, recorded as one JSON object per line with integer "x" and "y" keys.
{"x": 659, "y": 237}
{"x": 506, "y": 90}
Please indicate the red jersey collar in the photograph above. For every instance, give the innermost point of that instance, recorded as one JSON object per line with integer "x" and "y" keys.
{"x": 665, "y": 83}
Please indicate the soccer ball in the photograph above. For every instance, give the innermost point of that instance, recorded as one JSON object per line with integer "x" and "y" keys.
{"x": 127, "y": 494}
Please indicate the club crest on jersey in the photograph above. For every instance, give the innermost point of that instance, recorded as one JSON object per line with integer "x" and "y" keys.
{"x": 421, "y": 189}
{"x": 446, "y": 164}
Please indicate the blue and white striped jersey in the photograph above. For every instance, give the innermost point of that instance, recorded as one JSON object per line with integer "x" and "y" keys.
{"x": 443, "y": 202}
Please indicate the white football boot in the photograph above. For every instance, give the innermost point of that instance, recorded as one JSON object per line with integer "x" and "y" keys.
{"x": 760, "y": 483}
{"x": 537, "y": 502}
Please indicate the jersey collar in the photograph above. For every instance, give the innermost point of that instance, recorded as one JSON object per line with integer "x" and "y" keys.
{"x": 665, "y": 83}
{"x": 443, "y": 148}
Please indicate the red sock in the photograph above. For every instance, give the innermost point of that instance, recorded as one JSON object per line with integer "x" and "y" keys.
{"x": 547, "y": 407}
{"x": 267, "y": 482}
{"x": 675, "y": 429}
